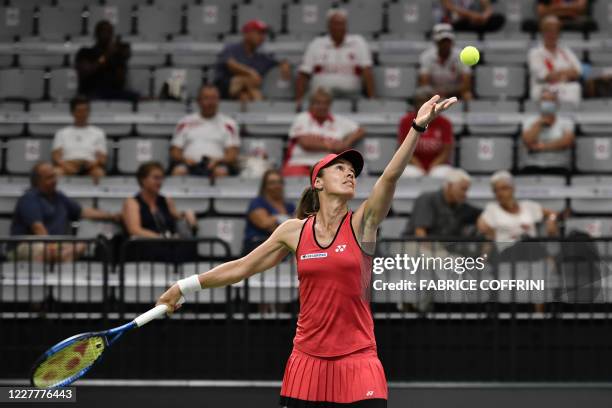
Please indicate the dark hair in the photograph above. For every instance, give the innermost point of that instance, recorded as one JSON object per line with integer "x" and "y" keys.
{"x": 78, "y": 100}
{"x": 146, "y": 168}
{"x": 309, "y": 201}
{"x": 264, "y": 179}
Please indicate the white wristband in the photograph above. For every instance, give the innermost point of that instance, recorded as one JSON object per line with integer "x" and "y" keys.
{"x": 190, "y": 284}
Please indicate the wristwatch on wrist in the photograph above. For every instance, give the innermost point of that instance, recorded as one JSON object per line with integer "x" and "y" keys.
{"x": 417, "y": 127}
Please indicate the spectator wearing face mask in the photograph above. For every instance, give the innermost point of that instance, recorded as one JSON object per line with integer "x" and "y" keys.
{"x": 547, "y": 139}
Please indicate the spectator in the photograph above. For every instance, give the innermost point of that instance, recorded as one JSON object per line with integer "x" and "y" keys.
{"x": 547, "y": 139}
{"x": 511, "y": 223}
{"x": 81, "y": 148}
{"x": 441, "y": 68}
{"x": 553, "y": 65}
{"x": 267, "y": 211}
{"x": 435, "y": 146}
{"x": 471, "y": 15}
{"x": 508, "y": 221}
{"x": 149, "y": 214}
{"x": 444, "y": 213}
{"x": 317, "y": 132}
{"x": 102, "y": 69}
{"x": 574, "y": 15}
{"x": 43, "y": 210}
{"x": 338, "y": 62}
{"x": 241, "y": 67}
{"x": 206, "y": 143}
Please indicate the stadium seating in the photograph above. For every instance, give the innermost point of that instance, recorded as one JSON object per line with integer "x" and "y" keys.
{"x": 105, "y": 110}
{"x": 118, "y": 14}
{"x": 63, "y": 83}
{"x": 18, "y": 83}
{"x": 135, "y": 151}
{"x": 192, "y": 79}
{"x": 213, "y": 17}
{"x": 410, "y": 16}
{"x": 500, "y": 82}
{"x": 593, "y": 154}
{"x": 230, "y": 230}
{"x": 555, "y": 204}
{"x": 56, "y": 23}
{"x": 23, "y": 153}
{"x": 307, "y": 17}
{"x": 159, "y": 108}
{"x": 15, "y": 22}
{"x": 11, "y": 129}
{"x": 394, "y": 82}
{"x": 43, "y": 108}
{"x": 485, "y": 154}
{"x": 156, "y": 22}
{"x": 264, "y": 11}
{"x": 591, "y": 205}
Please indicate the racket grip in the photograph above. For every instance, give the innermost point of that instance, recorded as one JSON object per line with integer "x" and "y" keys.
{"x": 155, "y": 313}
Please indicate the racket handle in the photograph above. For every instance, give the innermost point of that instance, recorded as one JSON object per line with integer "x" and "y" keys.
{"x": 155, "y": 313}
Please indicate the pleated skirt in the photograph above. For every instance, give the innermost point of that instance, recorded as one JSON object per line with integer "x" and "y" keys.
{"x": 311, "y": 381}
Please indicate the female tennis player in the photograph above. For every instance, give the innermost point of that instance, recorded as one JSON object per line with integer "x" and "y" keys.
{"x": 334, "y": 358}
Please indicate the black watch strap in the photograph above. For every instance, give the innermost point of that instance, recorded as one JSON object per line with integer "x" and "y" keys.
{"x": 417, "y": 127}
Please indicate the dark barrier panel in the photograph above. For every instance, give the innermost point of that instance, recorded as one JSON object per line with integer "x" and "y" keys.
{"x": 559, "y": 332}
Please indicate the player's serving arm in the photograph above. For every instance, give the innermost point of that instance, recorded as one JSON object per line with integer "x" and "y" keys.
{"x": 285, "y": 238}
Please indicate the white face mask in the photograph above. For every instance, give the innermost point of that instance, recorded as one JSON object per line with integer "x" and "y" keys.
{"x": 548, "y": 107}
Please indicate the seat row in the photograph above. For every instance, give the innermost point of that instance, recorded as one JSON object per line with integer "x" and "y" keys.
{"x": 212, "y": 17}
{"x": 476, "y": 154}
{"x": 493, "y": 82}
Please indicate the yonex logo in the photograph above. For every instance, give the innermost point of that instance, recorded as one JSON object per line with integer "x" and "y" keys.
{"x": 340, "y": 248}
{"x": 369, "y": 393}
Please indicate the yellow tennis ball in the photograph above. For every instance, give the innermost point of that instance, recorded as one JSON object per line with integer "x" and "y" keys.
{"x": 469, "y": 55}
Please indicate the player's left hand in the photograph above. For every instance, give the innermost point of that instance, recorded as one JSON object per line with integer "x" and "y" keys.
{"x": 433, "y": 108}
{"x": 170, "y": 298}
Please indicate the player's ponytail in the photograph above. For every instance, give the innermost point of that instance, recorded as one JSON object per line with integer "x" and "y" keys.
{"x": 308, "y": 204}
{"x": 309, "y": 201}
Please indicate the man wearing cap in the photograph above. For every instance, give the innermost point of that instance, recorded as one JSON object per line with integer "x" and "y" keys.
{"x": 338, "y": 62}
{"x": 441, "y": 68}
{"x": 316, "y": 132}
{"x": 241, "y": 67}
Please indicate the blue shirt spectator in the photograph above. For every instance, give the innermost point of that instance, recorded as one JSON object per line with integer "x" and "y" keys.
{"x": 55, "y": 212}
{"x": 241, "y": 67}
{"x": 43, "y": 210}
{"x": 267, "y": 211}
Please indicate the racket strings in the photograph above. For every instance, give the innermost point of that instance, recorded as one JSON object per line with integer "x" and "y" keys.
{"x": 68, "y": 361}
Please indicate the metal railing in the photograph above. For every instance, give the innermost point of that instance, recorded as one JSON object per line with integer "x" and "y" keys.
{"x": 244, "y": 331}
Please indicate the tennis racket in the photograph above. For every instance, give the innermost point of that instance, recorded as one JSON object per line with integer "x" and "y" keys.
{"x": 72, "y": 358}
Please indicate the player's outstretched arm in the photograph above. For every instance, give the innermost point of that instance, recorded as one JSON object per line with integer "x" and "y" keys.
{"x": 377, "y": 206}
{"x": 270, "y": 253}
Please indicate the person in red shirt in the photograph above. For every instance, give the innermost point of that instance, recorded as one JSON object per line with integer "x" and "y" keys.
{"x": 433, "y": 151}
{"x": 334, "y": 359}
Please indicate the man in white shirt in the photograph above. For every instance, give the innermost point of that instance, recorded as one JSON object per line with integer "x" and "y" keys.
{"x": 206, "y": 143}
{"x": 441, "y": 68}
{"x": 547, "y": 139}
{"x": 316, "y": 133}
{"x": 338, "y": 62}
{"x": 80, "y": 148}
{"x": 554, "y": 66}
